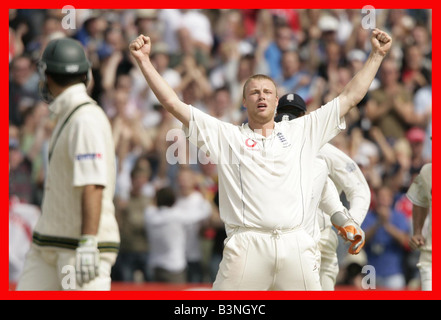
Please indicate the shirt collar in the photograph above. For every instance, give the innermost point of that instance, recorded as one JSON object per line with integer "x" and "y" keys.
{"x": 69, "y": 98}
{"x": 256, "y": 135}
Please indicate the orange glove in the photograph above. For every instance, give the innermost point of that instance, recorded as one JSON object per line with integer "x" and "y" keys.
{"x": 349, "y": 231}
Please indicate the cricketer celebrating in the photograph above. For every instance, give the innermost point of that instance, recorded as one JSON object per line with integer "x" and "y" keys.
{"x": 265, "y": 173}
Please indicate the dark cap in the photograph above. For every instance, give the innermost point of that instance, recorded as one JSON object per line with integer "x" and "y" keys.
{"x": 291, "y": 100}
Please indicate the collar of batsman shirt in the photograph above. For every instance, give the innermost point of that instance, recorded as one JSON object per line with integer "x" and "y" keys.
{"x": 64, "y": 106}
{"x": 68, "y": 99}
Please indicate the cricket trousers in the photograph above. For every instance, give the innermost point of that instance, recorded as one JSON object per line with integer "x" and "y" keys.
{"x": 425, "y": 267}
{"x": 257, "y": 260}
{"x": 328, "y": 259}
{"x": 54, "y": 270}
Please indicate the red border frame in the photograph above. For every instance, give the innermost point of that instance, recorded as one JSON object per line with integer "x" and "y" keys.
{"x": 5, "y": 294}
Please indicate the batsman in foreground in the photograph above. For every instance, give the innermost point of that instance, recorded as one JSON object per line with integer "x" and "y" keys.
{"x": 265, "y": 173}
{"x": 76, "y": 239}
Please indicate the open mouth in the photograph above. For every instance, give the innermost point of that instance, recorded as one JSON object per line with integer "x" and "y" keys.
{"x": 261, "y": 106}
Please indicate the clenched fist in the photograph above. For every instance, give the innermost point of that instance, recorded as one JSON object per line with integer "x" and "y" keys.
{"x": 381, "y": 42}
{"x": 140, "y": 47}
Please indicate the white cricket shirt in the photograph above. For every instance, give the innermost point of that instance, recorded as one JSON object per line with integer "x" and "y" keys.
{"x": 265, "y": 182}
{"x": 84, "y": 154}
{"x": 348, "y": 178}
{"x": 420, "y": 194}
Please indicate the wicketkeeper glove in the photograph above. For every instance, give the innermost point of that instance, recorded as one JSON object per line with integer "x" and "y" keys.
{"x": 87, "y": 259}
{"x": 349, "y": 230}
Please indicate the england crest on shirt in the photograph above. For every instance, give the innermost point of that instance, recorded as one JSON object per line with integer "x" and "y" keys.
{"x": 283, "y": 140}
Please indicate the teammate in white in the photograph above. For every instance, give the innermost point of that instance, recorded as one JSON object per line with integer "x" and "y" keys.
{"x": 420, "y": 194}
{"x": 77, "y": 228}
{"x": 347, "y": 177}
{"x": 262, "y": 164}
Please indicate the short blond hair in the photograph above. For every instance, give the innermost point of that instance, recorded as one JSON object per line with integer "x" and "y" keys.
{"x": 257, "y": 77}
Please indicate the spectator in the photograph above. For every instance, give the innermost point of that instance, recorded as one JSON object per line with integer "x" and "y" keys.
{"x": 387, "y": 237}
{"x": 197, "y": 23}
{"x": 23, "y": 88}
{"x": 293, "y": 77}
{"x": 21, "y": 184}
{"x": 415, "y": 74}
{"x": 166, "y": 238}
{"x": 134, "y": 248}
{"x": 34, "y": 140}
{"x": 195, "y": 210}
{"x": 147, "y": 22}
{"x": 390, "y": 106}
{"x": 332, "y": 60}
{"x": 283, "y": 41}
{"x": 416, "y": 137}
{"x": 421, "y": 36}
{"x": 22, "y": 219}
{"x": 423, "y": 116}
{"x": 195, "y": 86}
{"x": 161, "y": 60}
{"x": 222, "y": 106}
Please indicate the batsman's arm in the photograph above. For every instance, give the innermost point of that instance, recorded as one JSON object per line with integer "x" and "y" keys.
{"x": 419, "y": 215}
{"x": 357, "y": 88}
{"x": 91, "y": 209}
{"x": 140, "y": 50}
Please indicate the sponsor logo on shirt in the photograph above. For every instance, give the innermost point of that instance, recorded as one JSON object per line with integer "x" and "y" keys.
{"x": 251, "y": 144}
{"x": 88, "y": 156}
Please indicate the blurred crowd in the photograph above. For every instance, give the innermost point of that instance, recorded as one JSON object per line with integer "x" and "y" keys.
{"x": 206, "y": 55}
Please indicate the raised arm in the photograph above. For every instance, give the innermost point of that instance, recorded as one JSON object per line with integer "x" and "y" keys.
{"x": 140, "y": 50}
{"x": 357, "y": 88}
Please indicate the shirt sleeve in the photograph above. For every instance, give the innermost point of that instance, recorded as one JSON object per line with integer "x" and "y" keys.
{"x": 324, "y": 124}
{"x": 417, "y": 194}
{"x": 330, "y": 202}
{"x": 88, "y": 152}
{"x": 348, "y": 178}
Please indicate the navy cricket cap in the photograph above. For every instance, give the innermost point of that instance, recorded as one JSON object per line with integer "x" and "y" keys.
{"x": 292, "y": 100}
{"x": 290, "y": 106}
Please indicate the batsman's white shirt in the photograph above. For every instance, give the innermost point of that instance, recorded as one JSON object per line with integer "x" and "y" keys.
{"x": 420, "y": 194}
{"x": 84, "y": 154}
{"x": 265, "y": 182}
